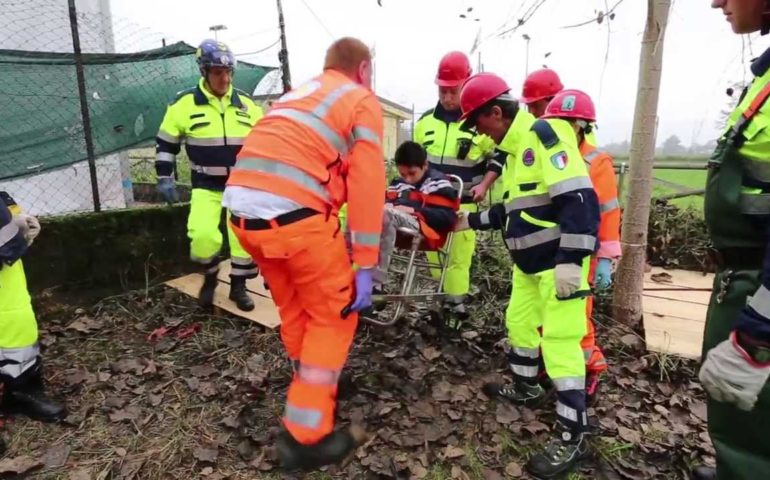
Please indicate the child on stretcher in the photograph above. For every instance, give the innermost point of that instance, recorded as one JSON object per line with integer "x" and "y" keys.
{"x": 422, "y": 199}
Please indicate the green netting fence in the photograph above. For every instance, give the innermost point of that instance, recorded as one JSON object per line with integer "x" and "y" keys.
{"x": 126, "y": 96}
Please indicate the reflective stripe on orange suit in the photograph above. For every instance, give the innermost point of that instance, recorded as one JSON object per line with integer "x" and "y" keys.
{"x": 321, "y": 150}
{"x": 602, "y": 174}
{"x": 320, "y": 146}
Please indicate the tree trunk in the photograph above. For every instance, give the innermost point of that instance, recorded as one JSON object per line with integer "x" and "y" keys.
{"x": 627, "y": 301}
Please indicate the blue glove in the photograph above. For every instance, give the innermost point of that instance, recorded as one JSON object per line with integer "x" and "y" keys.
{"x": 603, "y": 277}
{"x": 167, "y": 188}
{"x": 364, "y": 285}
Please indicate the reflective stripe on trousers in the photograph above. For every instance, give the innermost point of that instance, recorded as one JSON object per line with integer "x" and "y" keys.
{"x": 15, "y": 361}
{"x": 18, "y": 327}
{"x": 310, "y": 281}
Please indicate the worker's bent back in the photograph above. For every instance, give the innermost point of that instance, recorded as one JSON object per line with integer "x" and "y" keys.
{"x": 320, "y": 146}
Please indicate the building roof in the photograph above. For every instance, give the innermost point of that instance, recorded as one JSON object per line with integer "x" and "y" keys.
{"x": 390, "y": 107}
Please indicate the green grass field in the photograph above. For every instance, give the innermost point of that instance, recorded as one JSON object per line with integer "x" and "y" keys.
{"x": 669, "y": 181}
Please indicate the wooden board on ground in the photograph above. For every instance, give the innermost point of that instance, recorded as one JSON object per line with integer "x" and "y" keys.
{"x": 674, "y": 319}
{"x": 265, "y": 313}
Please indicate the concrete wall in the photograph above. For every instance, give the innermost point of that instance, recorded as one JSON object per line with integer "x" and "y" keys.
{"x": 390, "y": 136}
{"x": 68, "y": 189}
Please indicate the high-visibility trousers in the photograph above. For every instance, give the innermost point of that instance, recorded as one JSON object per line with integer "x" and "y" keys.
{"x": 311, "y": 280}
{"x": 594, "y": 357}
{"x": 534, "y": 304}
{"x": 19, "y": 349}
{"x": 342, "y": 215}
{"x": 206, "y": 237}
{"x": 458, "y": 273}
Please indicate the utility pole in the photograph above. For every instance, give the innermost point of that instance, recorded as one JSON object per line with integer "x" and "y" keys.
{"x": 374, "y": 67}
{"x": 526, "y": 65}
{"x": 216, "y": 29}
{"x": 85, "y": 114}
{"x": 283, "y": 54}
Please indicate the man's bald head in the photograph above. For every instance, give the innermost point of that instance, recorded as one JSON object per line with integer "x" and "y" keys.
{"x": 351, "y": 57}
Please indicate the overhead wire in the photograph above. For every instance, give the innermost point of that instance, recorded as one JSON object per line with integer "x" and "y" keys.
{"x": 253, "y": 34}
{"x": 318, "y": 19}
{"x": 260, "y": 50}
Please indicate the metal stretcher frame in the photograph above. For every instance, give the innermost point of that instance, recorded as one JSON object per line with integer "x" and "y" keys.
{"x": 413, "y": 263}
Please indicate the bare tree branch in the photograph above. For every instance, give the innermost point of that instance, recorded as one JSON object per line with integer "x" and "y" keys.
{"x": 607, "y": 13}
{"x": 525, "y": 18}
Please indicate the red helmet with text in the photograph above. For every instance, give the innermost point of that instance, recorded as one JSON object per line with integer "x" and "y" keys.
{"x": 574, "y": 104}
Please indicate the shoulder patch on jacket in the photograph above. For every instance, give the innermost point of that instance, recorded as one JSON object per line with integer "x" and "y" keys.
{"x": 545, "y": 133}
{"x": 183, "y": 93}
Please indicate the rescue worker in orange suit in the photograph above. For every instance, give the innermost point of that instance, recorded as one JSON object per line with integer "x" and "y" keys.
{"x": 540, "y": 88}
{"x": 317, "y": 148}
{"x": 577, "y": 105}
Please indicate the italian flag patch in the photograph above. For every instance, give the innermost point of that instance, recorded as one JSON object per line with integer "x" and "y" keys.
{"x": 559, "y": 160}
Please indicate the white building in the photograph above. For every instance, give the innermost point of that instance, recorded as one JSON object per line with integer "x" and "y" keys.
{"x": 35, "y": 25}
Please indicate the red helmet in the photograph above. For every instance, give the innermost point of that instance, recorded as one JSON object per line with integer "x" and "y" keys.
{"x": 571, "y": 104}
{"x": 453, "y": 69}
{"x": 540, "y": 84}
{"x": 480, "y": 89}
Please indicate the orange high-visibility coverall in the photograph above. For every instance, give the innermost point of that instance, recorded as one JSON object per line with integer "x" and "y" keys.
{"x": 319, "y": 146}
{"x": 602, "y": 174}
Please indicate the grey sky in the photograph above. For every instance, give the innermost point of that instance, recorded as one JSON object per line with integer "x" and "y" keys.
{"x": 702, "y": 56}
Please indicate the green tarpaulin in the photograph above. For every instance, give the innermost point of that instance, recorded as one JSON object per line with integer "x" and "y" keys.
{"x": 127, "y": 96}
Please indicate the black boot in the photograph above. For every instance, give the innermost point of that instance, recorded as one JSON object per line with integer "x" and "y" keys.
{"x": 26, "y": 396}
{"x": 703, "y": 472}
{"x": 346, "y": 387}
{"x": 2, "y": 447}
{"x": 561, "y": 456}
{"x": 206, "y": 293}
{"x": 240, "y": 295}
{"x": 455, "y": 314}
{"x": 518, "y": 392}
{"x": 333, "y": 448}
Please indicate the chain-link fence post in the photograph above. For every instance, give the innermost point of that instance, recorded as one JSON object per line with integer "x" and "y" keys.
{"x": 86, "y": 116}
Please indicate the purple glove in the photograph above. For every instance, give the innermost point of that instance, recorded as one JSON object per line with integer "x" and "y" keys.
{"x": 364, "y": 285}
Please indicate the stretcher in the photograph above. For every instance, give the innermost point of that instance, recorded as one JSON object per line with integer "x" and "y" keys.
{"x": 411, "y": 265}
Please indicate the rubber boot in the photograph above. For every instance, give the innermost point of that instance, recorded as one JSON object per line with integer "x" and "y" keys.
{"x": 26, "y": 396}
{"x": 703, "y": 472}
{"x": 240, "y": 295}
{"x": 331, "y": 449}
{"x": 455, "y": 313}
{"x": 520, "y": 393}
{"x": 206, "y": 293}
{"x": 561, "y": 456}
{"x": 346, "y": 387}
